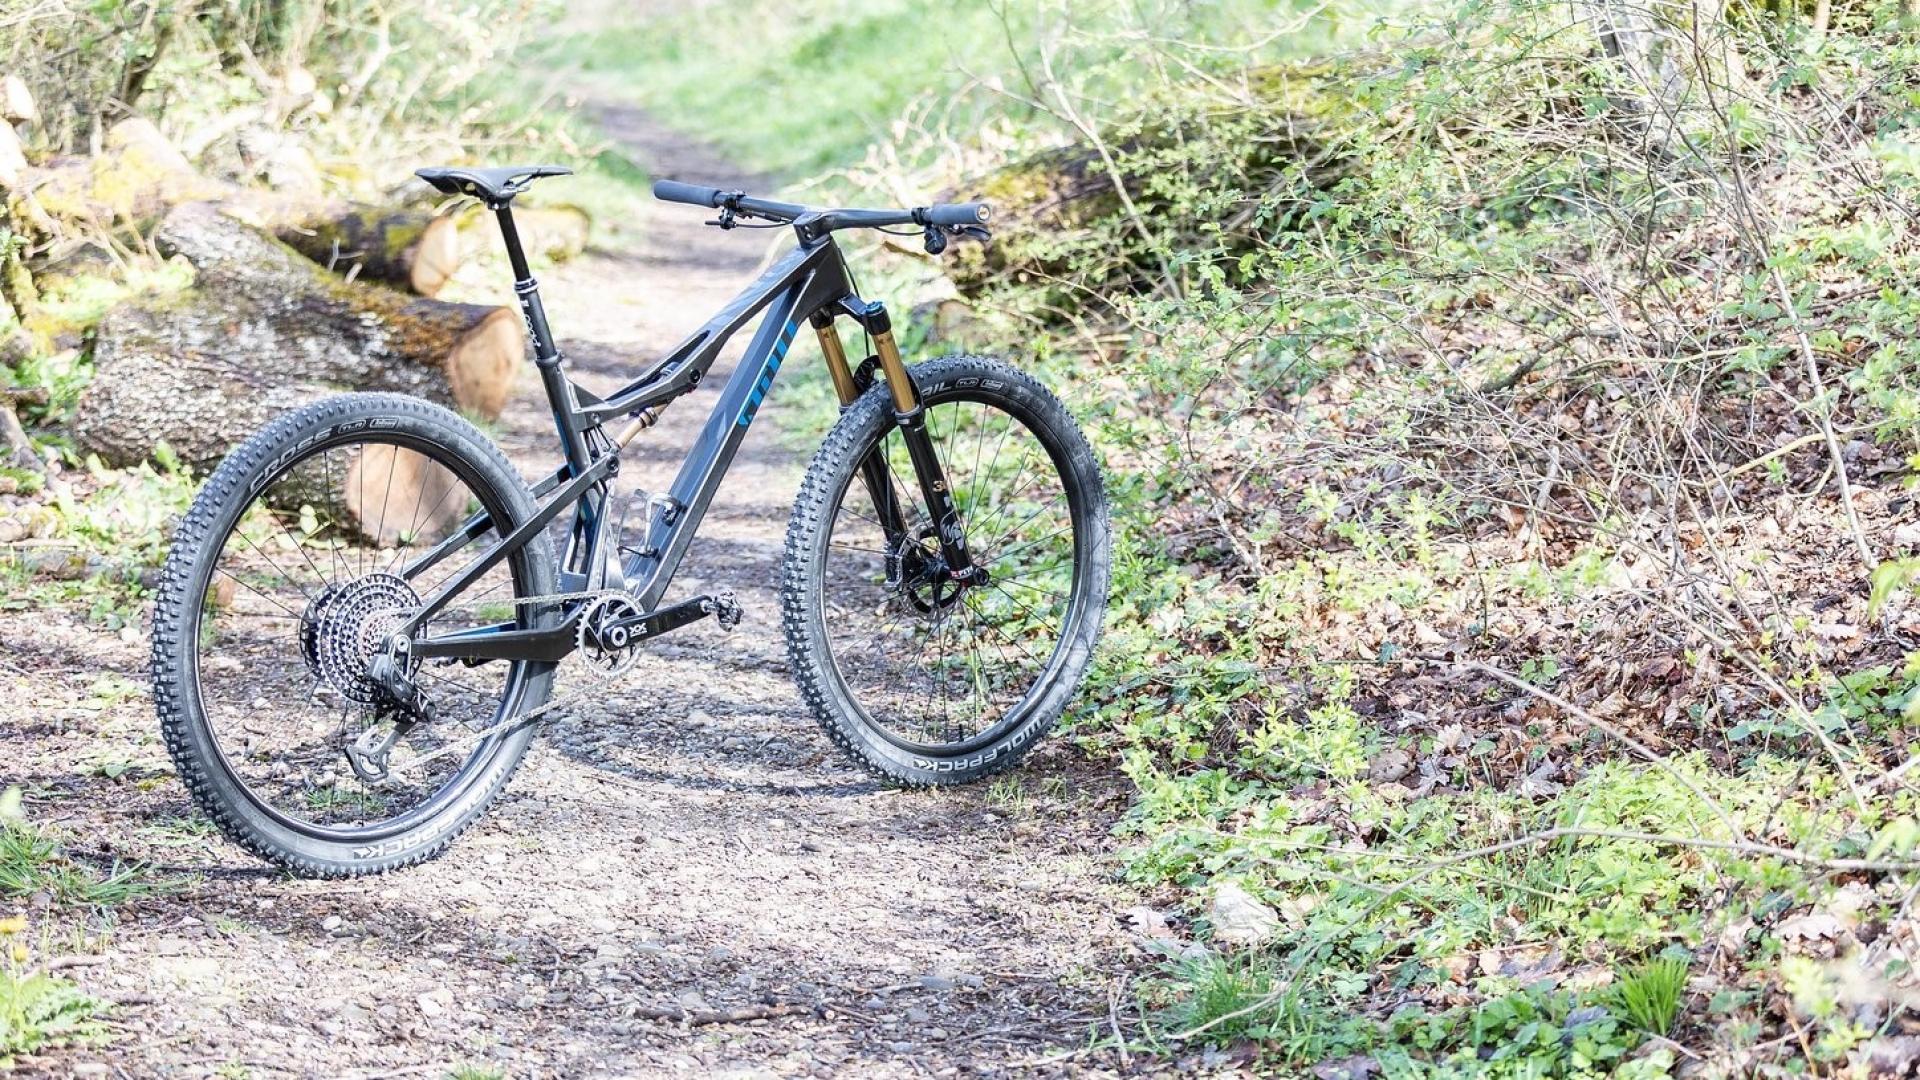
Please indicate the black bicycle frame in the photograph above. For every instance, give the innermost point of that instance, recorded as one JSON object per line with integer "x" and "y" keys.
{"x": 810, "y": 283}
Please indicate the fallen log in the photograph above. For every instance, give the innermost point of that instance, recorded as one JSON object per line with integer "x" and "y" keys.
{"x": 1095, "y": 216}
{"x": 411, "y": 248}
{"x": 16, "y": 101}
{"x": 135, "y": 179}
{"x": 264, "y": 329}
{"x": 556, "y": 232}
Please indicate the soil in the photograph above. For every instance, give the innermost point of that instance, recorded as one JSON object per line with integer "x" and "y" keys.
{"x": 686, "y": 878}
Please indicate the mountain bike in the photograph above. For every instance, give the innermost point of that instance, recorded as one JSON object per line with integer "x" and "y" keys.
{"x": 346, "y": 679}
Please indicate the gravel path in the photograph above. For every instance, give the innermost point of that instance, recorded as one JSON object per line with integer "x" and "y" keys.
{"x": 686, "y": 854}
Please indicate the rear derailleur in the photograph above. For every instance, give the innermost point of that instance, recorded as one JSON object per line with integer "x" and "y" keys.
{"x": 399, "y": 707}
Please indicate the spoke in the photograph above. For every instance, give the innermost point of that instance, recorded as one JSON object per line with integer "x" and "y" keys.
{"x": 1025, "y": 611}
{"x": 1020, "y": 584}
{"x": 326, "y": 463}
{"x": 255, "y": 591}
{"x": 398, "y": 550}
{"x": 380, "y": 530}
{"x": 1021, "y": 489}
{"x": 974, "y": 494}
{"x": 301, "y": 548}
{"x": 1004, "y": 636}
{"x": 284, "y": 576}
{"x": 1041, "y": 509}
{"x": 1009, "y": 554}
{"x": 360, "y": 500}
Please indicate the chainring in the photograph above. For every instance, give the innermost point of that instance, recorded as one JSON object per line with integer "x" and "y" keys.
{"x": 605, "y": 657}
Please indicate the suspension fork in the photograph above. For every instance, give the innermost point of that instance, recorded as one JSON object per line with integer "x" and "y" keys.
{"x": 911, "y": 418}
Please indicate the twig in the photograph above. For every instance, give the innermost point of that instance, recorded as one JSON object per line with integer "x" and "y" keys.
{"x": 700, "y": 1017}
{"x": 1593, "y": 721}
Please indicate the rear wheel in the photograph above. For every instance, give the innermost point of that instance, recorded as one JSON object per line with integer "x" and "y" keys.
{"x": 297, "y": 560}
{"x": 924, "y": 679}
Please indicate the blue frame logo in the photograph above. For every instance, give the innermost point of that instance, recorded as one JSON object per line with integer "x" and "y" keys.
{"x": 765, "y": 383}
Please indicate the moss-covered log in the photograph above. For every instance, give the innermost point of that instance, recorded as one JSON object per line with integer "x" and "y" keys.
{"x": 131, "y": 184}
{"x": 1061, "y": 215}
{"x": 264, "y": 329}
{"x": 557, "y": 232}
{"x": 407, "y": 247}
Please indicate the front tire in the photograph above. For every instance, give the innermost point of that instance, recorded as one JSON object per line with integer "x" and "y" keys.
{"x": 922, "y": 682}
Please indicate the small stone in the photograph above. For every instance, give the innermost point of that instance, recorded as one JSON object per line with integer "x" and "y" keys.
{"x": 935, "y": 1033}
{"x": 1390, "y": 766}
{"x": 1238, "y": 918}
{"x": 935, "y": 982}
{"x": 918, "y": 1015}
{"x": 719, "y": 954}
{"x": 90, "y": 1068}
{"x": 330, "y": 923}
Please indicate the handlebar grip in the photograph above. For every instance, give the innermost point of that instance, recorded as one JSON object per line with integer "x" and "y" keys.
{"x": 972, "y": 213}
{"x": 675, "y": 191}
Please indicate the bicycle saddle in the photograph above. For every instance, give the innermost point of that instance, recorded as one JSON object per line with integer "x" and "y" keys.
{"x": 496, "y": 186}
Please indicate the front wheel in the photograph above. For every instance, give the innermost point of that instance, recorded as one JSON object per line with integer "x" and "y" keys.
{"x": 925, "y": 677}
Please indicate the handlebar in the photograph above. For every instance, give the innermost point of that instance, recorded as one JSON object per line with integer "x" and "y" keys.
{"x": 939, "y": 215}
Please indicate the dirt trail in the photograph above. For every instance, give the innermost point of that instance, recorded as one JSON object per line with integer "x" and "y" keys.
{"x": 693, "y": 843}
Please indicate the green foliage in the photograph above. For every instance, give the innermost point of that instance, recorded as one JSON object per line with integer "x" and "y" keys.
{"x": 857, "y": 73}
{"x": 40, "y": 1012}
{"x": 1651, "y": 995}
{"x": 1226, "y": 999}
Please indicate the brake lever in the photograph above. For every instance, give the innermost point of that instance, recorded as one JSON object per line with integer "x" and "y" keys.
{"x": 935, "y": 238}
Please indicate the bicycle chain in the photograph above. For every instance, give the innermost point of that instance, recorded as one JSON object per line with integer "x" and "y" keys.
{"x": 516, "y": 722}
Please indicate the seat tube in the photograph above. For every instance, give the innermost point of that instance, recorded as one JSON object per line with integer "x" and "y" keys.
{"x": 546, "y": 354}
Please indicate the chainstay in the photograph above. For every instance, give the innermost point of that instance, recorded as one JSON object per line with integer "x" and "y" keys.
{"x": 512, "y": 723}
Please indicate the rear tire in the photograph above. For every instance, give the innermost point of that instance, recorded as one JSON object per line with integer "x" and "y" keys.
{"x": 854, "y": 614}
{"x": 226, "y": 719}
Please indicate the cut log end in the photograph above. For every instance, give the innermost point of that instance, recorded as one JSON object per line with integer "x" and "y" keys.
{"x": 436, "y": 256}
{"x": 481, "y": 367}
{"x": 398, "y": 497}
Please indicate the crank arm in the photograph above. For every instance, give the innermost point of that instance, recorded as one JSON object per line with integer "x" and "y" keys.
{"x": 641, "y": 627}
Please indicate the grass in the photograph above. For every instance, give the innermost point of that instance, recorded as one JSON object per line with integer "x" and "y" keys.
{"x": 1652, "y": 994}
{"x": 847, "y": 74}
{"x": 1231, "y": 997}
{"x": 31, "y": 862}
{"x": 329, "y": 800}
